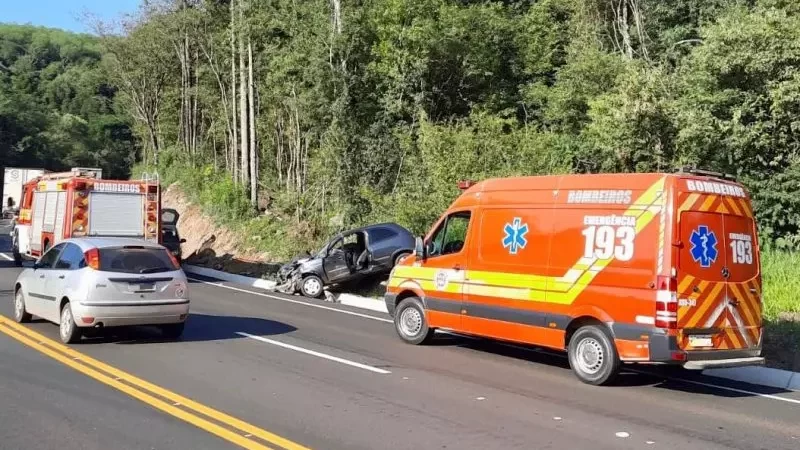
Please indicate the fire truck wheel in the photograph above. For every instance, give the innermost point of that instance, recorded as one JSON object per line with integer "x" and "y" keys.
{"x": 21, "y": 314}
{"x": 593, "y": 356}
{"x": 411, "y": 323}
{"x": 69, "y": 331}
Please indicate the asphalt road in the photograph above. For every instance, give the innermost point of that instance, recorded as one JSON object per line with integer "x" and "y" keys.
{"x": 331, "y": 377}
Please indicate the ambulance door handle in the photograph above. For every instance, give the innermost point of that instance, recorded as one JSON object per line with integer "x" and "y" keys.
{"x": 457, "y": 267}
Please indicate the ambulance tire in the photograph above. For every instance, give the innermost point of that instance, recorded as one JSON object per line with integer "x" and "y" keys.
{"x": 593, "y": 356}
{"x": 410, "y": 322}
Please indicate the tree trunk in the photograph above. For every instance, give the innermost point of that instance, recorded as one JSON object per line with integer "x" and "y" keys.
{"x": 235, "y": 135}
{"x": 252, "y": 114}
{"x": 245, "y": 175}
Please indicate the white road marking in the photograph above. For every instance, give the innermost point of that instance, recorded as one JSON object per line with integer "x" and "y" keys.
{"x": 315, "y": 353}
{"x": 519, "y": 347}
{"x": 623, "y": 434}
{"x": 7, "y": 258}
{"x": 275, "y": 297}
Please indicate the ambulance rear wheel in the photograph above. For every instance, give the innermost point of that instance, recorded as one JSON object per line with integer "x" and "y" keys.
{"x": 593, "y": 356}
{"x": 411, "y": 323}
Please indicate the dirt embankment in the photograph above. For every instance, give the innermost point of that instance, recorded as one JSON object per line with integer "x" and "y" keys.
{"x": 211, "y": 245}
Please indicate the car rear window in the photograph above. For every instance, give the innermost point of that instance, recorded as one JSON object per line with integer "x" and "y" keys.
{"x": 136, "y": 260}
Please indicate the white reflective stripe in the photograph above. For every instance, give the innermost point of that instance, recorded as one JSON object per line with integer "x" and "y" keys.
{"x": 717, "y": 312}
{"x": 666, "y": 315}
{"x": 647, "y": 320}
{"x": 740, "y": 324}
{"x": 666, "y": 296}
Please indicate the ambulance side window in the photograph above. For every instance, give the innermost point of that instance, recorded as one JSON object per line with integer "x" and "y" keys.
{"x": 450, "y": 236}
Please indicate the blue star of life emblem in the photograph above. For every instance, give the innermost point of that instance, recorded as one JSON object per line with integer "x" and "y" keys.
{"x": 514, "y": 238}
{"x": 704, "y": 246}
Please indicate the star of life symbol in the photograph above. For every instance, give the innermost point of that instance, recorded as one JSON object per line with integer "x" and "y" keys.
{"x": 704, "y": 246}
{"x": 514, "y": 238}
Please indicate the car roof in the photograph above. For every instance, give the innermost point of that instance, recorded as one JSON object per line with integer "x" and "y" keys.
{"x": 391, "y": 225}
{"x": 106, "y": 242}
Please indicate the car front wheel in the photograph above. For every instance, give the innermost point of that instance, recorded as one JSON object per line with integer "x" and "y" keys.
{"x": 311, "y": 286}
{"x": 21, "y": 314}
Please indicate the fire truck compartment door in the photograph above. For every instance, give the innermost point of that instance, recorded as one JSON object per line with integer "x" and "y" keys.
{"x": 49, "y": 223}
{"x": 116, "y": 214}
{"x": 61, "y": 210}
{"x": 39, "y": 199}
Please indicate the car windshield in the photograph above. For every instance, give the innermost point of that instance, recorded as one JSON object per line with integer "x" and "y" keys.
{"x": 140, "y": 260}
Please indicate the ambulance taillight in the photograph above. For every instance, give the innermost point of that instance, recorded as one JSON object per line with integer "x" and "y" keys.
{"x": 667, "y": 302}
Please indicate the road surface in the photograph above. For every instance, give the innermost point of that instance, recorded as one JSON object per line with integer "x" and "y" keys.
{"x": 259, "y": 370}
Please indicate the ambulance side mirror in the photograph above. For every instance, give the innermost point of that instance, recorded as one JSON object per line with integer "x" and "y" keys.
{"x": 420, "y": 249}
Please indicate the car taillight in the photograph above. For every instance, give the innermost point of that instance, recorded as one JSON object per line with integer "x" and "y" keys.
{"x": 174, "y": 259}
{"x": 92, "y": 258}
{"x": 667, "y": 302}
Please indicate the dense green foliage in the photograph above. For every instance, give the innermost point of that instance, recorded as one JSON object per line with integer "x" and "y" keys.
{"x": 377, "y": 112}
{"x": 368, "y": 111}
{"x": 56, "y": 103}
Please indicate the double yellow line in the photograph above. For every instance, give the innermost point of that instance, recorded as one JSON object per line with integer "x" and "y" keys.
{"x": 218, "y": 423}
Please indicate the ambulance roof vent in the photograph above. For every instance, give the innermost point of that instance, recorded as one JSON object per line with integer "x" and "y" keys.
{"x": 705, "y": 173}
{"x": 466, "y": 184}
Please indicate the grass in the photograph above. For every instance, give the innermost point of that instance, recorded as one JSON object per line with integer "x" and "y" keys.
{"x": 781, "y": 277}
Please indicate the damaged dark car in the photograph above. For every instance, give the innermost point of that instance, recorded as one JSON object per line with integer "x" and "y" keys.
{"x": 368, "y": 251}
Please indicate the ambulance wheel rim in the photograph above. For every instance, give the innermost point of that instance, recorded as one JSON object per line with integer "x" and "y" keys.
{"x": 311, "y": 286}
{"x": 66, "y": 322}
{"x": 590, "y": 355}
{"x": 19, "y": 306}
{"x": 410, "y": 322}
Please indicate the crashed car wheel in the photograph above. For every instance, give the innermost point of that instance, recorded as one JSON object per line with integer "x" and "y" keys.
{"x": 311, "y": 286}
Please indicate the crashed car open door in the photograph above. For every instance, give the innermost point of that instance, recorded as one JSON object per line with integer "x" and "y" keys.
{"x": 334, "y": 262}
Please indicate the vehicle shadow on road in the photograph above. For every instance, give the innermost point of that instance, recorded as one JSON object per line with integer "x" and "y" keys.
{"x": 199, "y": 328}
{"x": 672, "y": 378}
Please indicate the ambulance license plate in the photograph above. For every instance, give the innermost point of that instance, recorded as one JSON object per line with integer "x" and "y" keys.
{"x": 700, "y": 341}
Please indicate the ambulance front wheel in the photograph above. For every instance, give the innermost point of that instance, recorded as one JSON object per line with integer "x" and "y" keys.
{"x": 593, "y": 356}
{"x": 411, "y": 323}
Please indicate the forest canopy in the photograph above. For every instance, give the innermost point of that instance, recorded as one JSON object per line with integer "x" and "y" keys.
{"x": 331, "y": 113}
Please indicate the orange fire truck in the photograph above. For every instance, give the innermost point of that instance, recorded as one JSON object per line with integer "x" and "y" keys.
{"x": 58, "y": 206}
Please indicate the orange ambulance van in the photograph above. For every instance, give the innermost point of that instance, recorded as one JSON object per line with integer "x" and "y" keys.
{"x": 612, "y": 268}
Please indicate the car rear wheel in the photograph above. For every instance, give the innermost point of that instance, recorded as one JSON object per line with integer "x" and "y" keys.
{"x": 400, "y": 257}
{"x": 311, "y": 286}
{"x": 21, "y": 314}
{"x": 593, "y": 356}
{"x": 410, "y": 322}
{"x": 173, "y": 331}
{"x": 68, "y": 330}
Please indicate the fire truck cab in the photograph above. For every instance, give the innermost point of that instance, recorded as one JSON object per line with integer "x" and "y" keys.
{"x": 58, "y": 206}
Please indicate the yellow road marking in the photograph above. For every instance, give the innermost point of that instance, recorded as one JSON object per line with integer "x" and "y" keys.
{"x": 113, "y": 376}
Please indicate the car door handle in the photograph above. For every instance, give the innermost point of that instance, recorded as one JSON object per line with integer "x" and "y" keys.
{"x": 41, "y": 276}
{"x": 61, "y": 277}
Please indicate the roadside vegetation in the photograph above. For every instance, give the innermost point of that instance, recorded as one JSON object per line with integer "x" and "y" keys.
{"x": 288, "y": 121}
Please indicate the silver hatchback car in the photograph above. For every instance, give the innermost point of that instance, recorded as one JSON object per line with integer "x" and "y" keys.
{"x": 104, "y": 282}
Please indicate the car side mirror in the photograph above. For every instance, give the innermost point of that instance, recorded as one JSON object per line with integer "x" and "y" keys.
{"x": 421, "y": 250}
